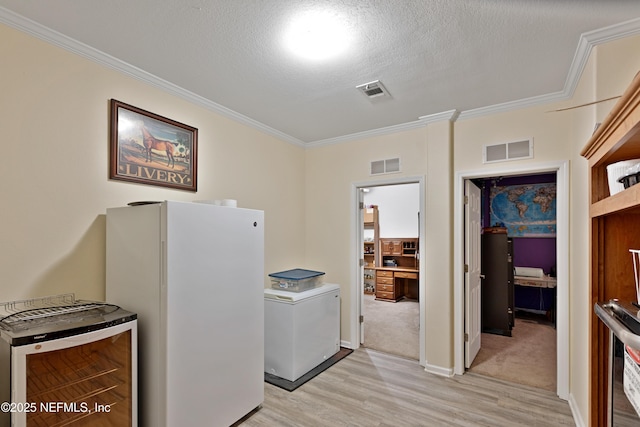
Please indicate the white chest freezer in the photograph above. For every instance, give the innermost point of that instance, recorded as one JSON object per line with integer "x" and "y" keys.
{"x": 302, "y": 329}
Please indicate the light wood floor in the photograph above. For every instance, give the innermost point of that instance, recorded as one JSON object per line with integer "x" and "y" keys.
{"x": 370, "y": 388}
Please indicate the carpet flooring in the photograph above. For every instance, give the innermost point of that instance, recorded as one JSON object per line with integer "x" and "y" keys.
{"x": 392, "y": 328}
{"x": 528, "y": 357}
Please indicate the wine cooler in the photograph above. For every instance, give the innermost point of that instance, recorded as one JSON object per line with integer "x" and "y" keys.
{"x": 67, "y": 362}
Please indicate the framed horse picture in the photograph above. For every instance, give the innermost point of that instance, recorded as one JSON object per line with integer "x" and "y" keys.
{"x": 146, "y": 148}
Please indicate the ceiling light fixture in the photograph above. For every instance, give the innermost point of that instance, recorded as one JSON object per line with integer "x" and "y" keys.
{"x": 318, "y": 35}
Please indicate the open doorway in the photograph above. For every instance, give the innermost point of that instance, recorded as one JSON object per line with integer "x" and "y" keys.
{"x": 391, "y": 236}
{"x": 518, "y": 279}
{"x": 357, "y": 321}
{"x": 561, "y": 245}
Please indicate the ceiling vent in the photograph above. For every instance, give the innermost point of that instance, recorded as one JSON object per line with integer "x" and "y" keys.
{"x": 508, "y": 151}
{"x": 373, "y": 89}
{"x": 385, "y": 166}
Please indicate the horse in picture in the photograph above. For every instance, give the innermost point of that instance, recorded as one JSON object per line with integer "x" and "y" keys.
{"x": 150, "y": 142}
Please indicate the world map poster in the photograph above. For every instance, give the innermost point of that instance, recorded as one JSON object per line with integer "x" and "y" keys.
{"x": 525, "y": 210}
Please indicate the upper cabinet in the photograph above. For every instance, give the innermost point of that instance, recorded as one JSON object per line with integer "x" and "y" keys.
{"x": 399, "y": 247}
{"x": 391, "y": 247}
{"x": 615, "y": 228}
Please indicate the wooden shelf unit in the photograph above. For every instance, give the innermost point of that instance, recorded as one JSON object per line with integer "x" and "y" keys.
{"x": 615, "y": 228}
{"x": 371, "y": 249}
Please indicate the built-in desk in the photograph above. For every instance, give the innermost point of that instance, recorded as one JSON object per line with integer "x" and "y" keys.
{"x": 545, "y": 282}
{"x": 394, "y": 283}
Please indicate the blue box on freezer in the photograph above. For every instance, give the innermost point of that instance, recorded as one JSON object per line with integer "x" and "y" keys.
{"x": 296, "y": 280}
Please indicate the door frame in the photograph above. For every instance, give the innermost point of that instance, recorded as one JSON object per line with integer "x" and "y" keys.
{"x": 561, "y": 168}
{"x": 357, "y": 289}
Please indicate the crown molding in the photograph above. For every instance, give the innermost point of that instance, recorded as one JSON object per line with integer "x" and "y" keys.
{"x": 367, "y": 134}
{"x": 513, "y": 105}
{"x": 53, "y": 37}
{"x": 591, "y": 39}
{"x": 422, "y": 121}
{"x": 586, "y": 44}
{"x": 450, "y": 115}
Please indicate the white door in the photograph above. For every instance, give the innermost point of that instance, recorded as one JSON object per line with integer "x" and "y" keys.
{"x": 361, "y": 261}
{"x": 472, "y": 289}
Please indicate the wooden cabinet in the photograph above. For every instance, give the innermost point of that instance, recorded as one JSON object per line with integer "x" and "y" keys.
{"x": 385, "y": 247}
{"x": 386, "y": 288}
{"x": 392, "y": 285}
{"x": 391, "y": 247}
{"x": 615, "y": 228}
{"x": 407, "y": 247}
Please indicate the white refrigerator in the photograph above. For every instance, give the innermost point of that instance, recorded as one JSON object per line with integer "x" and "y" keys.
{"x": 194, "y": 274}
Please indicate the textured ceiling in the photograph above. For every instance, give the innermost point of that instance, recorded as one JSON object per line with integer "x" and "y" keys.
{"x": 433, "y": 56}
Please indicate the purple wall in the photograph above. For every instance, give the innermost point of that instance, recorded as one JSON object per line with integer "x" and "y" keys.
{"x": 535, "y": 252}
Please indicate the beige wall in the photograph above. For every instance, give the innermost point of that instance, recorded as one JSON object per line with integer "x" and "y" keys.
{"x": 438, "y": 248}
{"x": 330, "y": 172}
{"x": 54, "y": 176}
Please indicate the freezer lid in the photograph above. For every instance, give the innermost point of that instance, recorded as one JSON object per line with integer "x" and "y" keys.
{"x": 293, "y": 297}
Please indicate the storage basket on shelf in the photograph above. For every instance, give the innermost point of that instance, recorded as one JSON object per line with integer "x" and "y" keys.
{"x": 616, "y": 174}
{"x": 296, "y": 280}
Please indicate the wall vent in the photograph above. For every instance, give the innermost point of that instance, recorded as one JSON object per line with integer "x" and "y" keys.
{"x": 515, "y": 150}
{"x": 373, "y": 89}
{"x": 385, "y": 166}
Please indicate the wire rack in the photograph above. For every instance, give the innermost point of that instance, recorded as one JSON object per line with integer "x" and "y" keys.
{"x": 37, "y": 310}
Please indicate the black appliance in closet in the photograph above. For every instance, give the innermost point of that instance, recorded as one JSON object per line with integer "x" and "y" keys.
{"x": 497, "y": 281}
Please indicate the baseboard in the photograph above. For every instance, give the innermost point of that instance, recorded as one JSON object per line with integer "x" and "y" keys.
{"x": 438, "y": 370}
{"x": 433, "y": 369}
{"x": 575, "y": 412}
{"x": 347, "y": 344}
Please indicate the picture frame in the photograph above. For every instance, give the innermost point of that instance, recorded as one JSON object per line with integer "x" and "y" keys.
{"x": 146, "y": 148}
